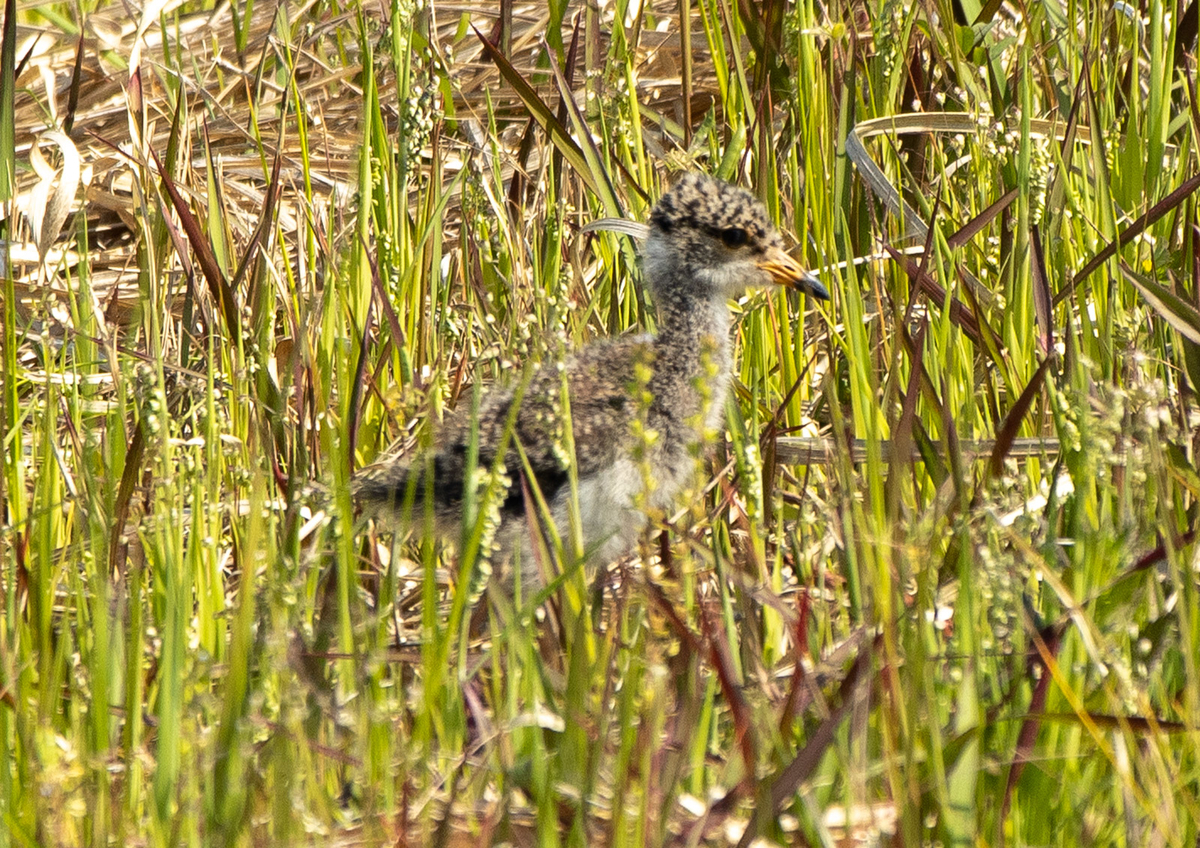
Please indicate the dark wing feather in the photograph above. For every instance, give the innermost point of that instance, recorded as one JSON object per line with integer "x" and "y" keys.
{"x": 599, "y": 380}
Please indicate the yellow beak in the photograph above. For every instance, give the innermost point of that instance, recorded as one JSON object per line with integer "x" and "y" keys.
{"x": 786, "y": 271}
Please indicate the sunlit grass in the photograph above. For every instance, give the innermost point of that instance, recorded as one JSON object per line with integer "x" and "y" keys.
{"x": 369, "y": 215}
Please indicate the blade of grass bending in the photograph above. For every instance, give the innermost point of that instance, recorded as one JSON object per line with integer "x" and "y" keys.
{"x": 973, "y": 227}
{"x": 959, "y": 313}
{"x": 540, "y": 112}
{"x": 852, "y": 689}
{"x": 942, "y": 122}
{"x": 880, "y": 186}
{"x": 1176, "y": 311}
{"x": 600, "y": 179}
{"x": 1155, "y": 212}
{"x": 218, "y": 285}
{"x": 1092, "y": 640}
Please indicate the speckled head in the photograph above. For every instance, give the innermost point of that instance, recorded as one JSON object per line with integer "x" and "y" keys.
{"x": 717, "y": 240}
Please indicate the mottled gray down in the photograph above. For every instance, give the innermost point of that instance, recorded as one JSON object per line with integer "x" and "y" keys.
{"x": 708, "y": 242}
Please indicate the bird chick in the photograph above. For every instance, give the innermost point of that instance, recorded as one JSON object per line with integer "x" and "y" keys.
{"x": 640, "y": 406}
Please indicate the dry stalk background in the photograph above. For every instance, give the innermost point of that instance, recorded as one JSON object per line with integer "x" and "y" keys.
{"x": 938, "y": 585}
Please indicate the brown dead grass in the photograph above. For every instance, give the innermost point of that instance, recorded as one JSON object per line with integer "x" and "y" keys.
{"x": 238, "y": 116}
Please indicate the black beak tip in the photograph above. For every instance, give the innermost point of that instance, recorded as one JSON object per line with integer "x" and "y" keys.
{"x": 814, "y": 287}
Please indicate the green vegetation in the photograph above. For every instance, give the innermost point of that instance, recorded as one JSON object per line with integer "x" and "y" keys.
{"x": 968, "y": 615}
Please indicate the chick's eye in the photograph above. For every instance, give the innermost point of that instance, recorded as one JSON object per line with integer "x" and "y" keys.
{"x": 734, "y": 237}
